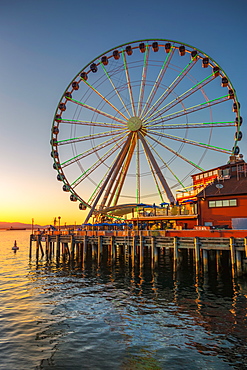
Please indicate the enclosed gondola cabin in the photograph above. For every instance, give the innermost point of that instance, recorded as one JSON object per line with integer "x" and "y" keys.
{"x": 104, "y": 60}
{"x": 168, "y": 47}
{"x": 129, "y": 50}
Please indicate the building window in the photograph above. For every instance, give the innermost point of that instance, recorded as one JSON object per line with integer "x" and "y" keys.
{"x": 232, "y": 202}
{"x": 226, "y": 172}
{"x": 222, "y": 203}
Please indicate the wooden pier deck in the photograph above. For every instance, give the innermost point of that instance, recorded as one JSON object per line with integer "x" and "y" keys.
{"x": 200, "y": 243}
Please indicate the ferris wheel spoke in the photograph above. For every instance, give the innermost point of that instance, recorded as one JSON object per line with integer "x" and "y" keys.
{"x": 194, "y": 125}
{"x": 115, "y": 89}
{"x": 122, "y": 174}
{"x": 129, "y": 84}
{"x": 185, "y": 111}
{"x": 179, "y": 99}
{"x": 89, "y": 152}
{"x": 157, "y": 82}
{"x": 143, "y": 80}
{"x": 157, "y": 169}
{"x": 95, "y": 110}
{"x": 88, "y": 137}
{"x": 86, "y": 173}
{"x": 192, "y": 142}
{"x": 171, "y": 87}
{"x": 112, "y": 171}
{"x": 106, "y": 100}
{"x": 176, "y": 153}
{"x": 90, "y": 123}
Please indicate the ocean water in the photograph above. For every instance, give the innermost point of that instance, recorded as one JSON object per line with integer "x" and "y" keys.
{"x": 73, "y": 315}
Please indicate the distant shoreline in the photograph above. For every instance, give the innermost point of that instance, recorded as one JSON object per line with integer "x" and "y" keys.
{"x": 17, "y": 228}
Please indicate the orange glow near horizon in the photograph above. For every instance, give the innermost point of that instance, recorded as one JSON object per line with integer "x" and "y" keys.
{"x": 27, "y": 200}
{"x": 42, "y": 213}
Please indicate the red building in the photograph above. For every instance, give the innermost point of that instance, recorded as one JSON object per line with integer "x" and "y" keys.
{"x": 224, "y": 200}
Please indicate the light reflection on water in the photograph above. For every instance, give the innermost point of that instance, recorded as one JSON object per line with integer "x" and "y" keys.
{"x": 117, "y": 315}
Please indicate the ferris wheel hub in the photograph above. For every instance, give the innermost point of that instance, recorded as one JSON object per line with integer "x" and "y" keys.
{"x": 134, "y": 123}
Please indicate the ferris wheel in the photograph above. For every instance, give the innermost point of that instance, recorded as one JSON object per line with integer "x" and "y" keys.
{"x": 137, "y": 121}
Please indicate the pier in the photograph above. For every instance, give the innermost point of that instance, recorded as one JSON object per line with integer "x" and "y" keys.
{"x": 205, "y": 247}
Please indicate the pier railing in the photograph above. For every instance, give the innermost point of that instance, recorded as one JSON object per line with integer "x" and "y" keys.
{"x": 202, "y": 231}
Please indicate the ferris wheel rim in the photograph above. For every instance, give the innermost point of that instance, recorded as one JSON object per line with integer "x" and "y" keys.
{"x": 57, "y": 163}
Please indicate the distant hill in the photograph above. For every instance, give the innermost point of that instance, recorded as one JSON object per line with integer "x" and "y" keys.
{"x": 8, "y": 225}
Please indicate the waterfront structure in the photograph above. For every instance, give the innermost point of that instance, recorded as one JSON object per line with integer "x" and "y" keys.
{"x": 223, "y": 203}
{"x": 134, "y": 245}
{"x": 217, "y": 199}
{"x": 220, "y": 194}
{"x": 136, "y": 122}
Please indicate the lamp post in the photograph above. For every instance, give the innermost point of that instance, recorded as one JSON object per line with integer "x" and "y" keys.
{"x": 32, "y": 224}
{"x": 59, "y": 218}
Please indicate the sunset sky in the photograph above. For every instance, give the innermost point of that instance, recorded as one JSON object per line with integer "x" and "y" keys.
{"x": 44, "y": 44}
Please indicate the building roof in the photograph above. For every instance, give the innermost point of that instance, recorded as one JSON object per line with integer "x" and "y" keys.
{"x": 235, "y": 185}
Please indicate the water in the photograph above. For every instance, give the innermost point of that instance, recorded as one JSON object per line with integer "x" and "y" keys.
{"x": 117, "y": 316}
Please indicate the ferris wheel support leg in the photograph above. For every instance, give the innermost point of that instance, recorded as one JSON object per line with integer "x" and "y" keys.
{"x": 157, "y": 170}
{"x": 119, "y": 159}
{"x": 122, "y": 175}
{"x": 117, "y": 167}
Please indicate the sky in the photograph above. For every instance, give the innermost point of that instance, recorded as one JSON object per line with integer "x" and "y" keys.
{"x": 44, "y": 44}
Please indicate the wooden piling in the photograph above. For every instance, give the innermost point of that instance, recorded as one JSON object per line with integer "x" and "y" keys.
{"x": 155, "y": 254}
{"x": 57, "y": 246}
{"x": 112, "y": 248}
{"x": 41, "y": 248}
{"x": 47, "y": 246}
{"x": 50, "y": 249}
{"x": 233, "y": 255}
{"x": 205, "y": 260}
{"x": 238, "y": 262}
{"x": 152, "y": 250}
{"x": 175, "y": 250}
{"x": 37, "y": 248}
{"x": 67, "y": 251}
{"x": 141, "y": 254}
{"x": 84, "y": 247}
{"x": 134, "y": 243}
{"x": 72, "y": 245}
{"x": 100, "y": 245}
{"x": 30, "y": 247}
{"x": 63, "y": 250}
{"x": 245, "y": 246}
{"x": 197, "y": 253}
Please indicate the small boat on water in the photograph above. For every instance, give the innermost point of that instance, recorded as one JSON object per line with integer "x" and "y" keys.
{"x": 15, "y": 247}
